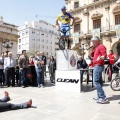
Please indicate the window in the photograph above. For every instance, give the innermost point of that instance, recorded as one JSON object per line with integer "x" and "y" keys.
{"x": 23, "y": 46}
{"x": 23, "y": 33}
{"x": 43, "y": 40}
{"x": 33, "y": 38}
{"x": 38, "y": 46}
{"x": 76, "y": 4}
{"x": 42, "y": 33}
{"x": 117, "y": 19}
{"x": 19, "y": 40}
{"x": 26, "y": 32}
{"x": 38, "y": 40}
{"x": 42, "y": 46}
{"x": 19, "y": 46}
{"x": 46, "y": 47}
{"x": 50, "y": 42}
{"x": 33, "y": 45}
{"x": 26, "y": 46}
{"x": 96, "y": 23}
{"x": 77, "y": 27}
{"x": 33, "y": 32}
{"x": 46, "y": 41}
{"x": 40, "y": 28}
{"x": 38, "y": 33}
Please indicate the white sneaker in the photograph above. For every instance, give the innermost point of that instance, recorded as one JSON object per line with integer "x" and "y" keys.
{"x": 103, "y": 101}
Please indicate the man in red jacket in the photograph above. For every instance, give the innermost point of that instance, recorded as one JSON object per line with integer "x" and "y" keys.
{"x": 99, "y": 54}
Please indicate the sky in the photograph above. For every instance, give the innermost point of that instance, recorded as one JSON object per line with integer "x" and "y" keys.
{"x": 18, "y": 11}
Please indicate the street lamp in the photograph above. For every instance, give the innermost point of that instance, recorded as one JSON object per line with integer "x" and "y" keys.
{"x": 7, "y": 44}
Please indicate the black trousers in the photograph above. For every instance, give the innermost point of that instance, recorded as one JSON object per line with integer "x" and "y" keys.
{"x": 10, "y": 75}
{"x": 2, "y": 77}
{"x": 17, "y": 76}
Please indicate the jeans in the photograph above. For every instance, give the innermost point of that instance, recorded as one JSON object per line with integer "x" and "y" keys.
{"x": 23, "y": 79}
{"x": 97, "y": 78}
{"x": 81, "y": 76}
{"x": 39, "y": 76}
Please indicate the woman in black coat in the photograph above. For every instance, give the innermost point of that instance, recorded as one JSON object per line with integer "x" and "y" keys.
{"x": 52, "y": 68}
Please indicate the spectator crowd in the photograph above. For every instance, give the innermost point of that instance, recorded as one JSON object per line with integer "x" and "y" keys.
{"x": 23, "y": 71}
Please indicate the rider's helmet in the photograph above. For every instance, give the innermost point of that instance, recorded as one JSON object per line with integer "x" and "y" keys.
{"x": 63, "y": 8}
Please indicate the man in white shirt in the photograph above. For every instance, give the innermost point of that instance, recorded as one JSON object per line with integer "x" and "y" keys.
{"x": 2, "y": 79}
{"x": 9, "y": 67}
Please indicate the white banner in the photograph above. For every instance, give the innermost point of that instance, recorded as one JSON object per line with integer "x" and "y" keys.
{"x": 96, "y": 32}
{"x": 68, "y": 81}
{"x": 75, "y": 38}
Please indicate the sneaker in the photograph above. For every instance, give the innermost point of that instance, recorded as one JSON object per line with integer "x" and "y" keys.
{"x": 102, "y": 101}
{"x": 42, "y": 85}
{"x": 29, "y": 103}
{"x": 95, "y": 98}
{"x": 23, "y": 86}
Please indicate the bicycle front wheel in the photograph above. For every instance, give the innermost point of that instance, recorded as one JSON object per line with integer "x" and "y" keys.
{"x": 62, "y": 43}
{"x": 115, "y": 84}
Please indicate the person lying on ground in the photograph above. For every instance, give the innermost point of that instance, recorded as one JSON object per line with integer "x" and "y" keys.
{"x": 4, "y": 106}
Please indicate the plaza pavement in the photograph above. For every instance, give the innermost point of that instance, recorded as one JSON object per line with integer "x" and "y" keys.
{"x": 50, "y": 103}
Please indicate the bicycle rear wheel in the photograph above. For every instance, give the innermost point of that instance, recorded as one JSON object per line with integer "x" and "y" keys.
{"x": 115, "y": 84}
{"x": 62, "y": 43}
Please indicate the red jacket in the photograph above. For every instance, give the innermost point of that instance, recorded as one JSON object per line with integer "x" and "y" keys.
{"x": 98, "y": 52}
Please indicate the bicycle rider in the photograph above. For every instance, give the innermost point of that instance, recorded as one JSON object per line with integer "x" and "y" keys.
{"x": 65, "y": 19}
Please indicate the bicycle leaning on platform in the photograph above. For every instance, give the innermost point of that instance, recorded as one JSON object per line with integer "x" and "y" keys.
{"x": 115, "y": 83}
{"x": 63, "y": 41}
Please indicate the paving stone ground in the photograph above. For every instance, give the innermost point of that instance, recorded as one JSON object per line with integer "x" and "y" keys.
{"x": 53, "y": 104}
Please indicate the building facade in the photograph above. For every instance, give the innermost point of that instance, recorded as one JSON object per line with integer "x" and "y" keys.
{"x": 8, "y": 32}
{"x": 38, "y": 36}
{"x": 96, "y": 18}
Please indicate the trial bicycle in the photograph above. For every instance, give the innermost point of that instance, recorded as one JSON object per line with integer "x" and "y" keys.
{"x": 115, "y": 83}
{"x": 63, "y": 41}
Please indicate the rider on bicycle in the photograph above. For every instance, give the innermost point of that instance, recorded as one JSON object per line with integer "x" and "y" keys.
{"x": 65, "y": 19}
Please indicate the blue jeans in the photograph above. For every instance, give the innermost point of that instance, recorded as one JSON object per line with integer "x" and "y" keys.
{"x": 23, "y": 79}
{"x": 97, "y": 78}
{"x": 39, "y": 76}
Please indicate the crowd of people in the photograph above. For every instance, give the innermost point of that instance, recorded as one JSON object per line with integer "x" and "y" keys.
{"x": 24, "y": 71}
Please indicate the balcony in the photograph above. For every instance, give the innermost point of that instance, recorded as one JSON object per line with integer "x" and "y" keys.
{"x": 105, "y": 30}
{"x": 110, "y": 29}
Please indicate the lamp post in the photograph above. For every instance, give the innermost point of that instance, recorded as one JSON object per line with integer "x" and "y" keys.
{"x": 7, "y": 44}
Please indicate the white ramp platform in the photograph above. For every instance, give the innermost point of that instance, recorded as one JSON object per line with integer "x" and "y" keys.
{"x": 66, "y": 60}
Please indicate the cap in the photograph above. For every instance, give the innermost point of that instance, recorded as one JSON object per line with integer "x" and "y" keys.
{"x": 63, "y": 8}
{"x": 95, "y": 38}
